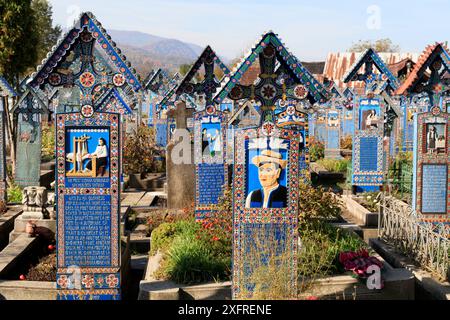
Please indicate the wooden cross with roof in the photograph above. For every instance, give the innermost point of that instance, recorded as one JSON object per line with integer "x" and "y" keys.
{"x": 86, "y": 57}
{"x": 281, "y": 77}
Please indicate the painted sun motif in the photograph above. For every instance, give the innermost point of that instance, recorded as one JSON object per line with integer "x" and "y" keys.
{"x": 87, "y": 79}
{"x": 87, "y": 111}
{"x": 188, "y": 88}
{"x": 300, "y": 92}
{"x": 236, "y": 93}
{"x": 54, "y": 79}
{"x": 118, "y": 80}
{"x": 268, "y": 128}
{"x": 290, "y": 110}
{"x": 268, "y": 91}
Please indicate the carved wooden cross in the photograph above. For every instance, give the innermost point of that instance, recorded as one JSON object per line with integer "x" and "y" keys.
{"x": 85, "y": 68}
{"x": 274, "y": 85}
{"x": 210, "y": 84}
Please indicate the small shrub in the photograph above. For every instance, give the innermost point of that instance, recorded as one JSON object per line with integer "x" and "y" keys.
{"x": 140, "y": 151}
{"x": 316, "y": 203}
{"x": 45, "y": 270}
{"x": 271, "y": 267}
{"x": 165, "y": 234}
{"x": 402, "y": 158}
{"x": 370, "y": 200}
{"x": 217, "y": 229}
{"x": 316, "y": 149}
{"x": 347, "y": 142}
{"x": 334, "y": 165}
{"x": 48, "y": 143}
{"x": 321, "y": 244}
{"x": 14, "y": 194}
{"x": 190, "y": 260}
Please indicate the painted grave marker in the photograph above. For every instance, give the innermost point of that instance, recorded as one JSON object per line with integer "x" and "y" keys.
{"x": 333, "y": 139}
{"x": 88, "y": 205}
{"x": 431, "y": 163}
{"x": 28, "y": 114}
{"x": 367, "y": 157}
{"x": 373, "y": 115}
{"x": 431, "y": 182}
{"x": 266, "y": 167}
{"x": 211, "y": 170}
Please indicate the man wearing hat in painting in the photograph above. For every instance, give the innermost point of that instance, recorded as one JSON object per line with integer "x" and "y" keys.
{"x": 272, "y": 195}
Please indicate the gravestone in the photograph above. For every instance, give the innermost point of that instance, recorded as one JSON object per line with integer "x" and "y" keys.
{"x": 180, "y": 164}
{"x": 6, "y": 91}
{"x": 161, "y": 128}
{"x": 373, "y": 119}
{"x": 265, "y": 228}
{"x": 431, "y": 163}
{"x": 431, "y": 179}
{"x": 211, "y": 170}
{"x": 28, "y": 115}
{"x": 333, "y": 139}
{"x": 320, "y": 126}
{"x": 208, "y": 86}
{"x": 85, "y": 65}
{"x": 88, "y": 205}
{"x": 266, "y": 169}
{"x": 348, "y": 126}
{"x": 368, "y": 160}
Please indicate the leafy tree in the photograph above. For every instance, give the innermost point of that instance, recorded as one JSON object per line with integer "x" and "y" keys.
{"x": 47, "y": 33}
{"x": 26, "y": 35}
{"x": 380, "y": 45}
{"x": 184, "y": 69}
{"x": 18, "y": 38}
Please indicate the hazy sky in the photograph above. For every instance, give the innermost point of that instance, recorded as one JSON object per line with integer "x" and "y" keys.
{"x": 310, "y": 29}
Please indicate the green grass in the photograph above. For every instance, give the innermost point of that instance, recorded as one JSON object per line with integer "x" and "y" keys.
{"x": 188, "y": 259}
{"x": 334, "y": 165}
{"x": 321, "y": 245}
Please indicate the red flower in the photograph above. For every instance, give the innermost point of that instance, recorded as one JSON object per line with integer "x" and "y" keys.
{"x": 312, "y": 298}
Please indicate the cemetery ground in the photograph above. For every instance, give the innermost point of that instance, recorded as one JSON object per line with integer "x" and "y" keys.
{"x": 264, "y": 182}
{"x": 167, "y": 254}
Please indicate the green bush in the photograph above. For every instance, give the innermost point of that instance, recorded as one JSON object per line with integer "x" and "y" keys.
{"x": 316, "y": 149}
{"x": 48, "y": 143}
{"x": 334, "y": 165}
{"x": 190, "y": 260}
{"x": 140, "y": 152}
{"x": 14, "y": 194}
{"x": 316, "y": 203}
{"x": 163, "y": 236}
{"x": 187, "y": 257}
{"x": 320, "y": 248}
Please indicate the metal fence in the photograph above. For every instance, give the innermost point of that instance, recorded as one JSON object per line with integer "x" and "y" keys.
{"x": 400, "y": 227}
{"x": 401, "y": 178}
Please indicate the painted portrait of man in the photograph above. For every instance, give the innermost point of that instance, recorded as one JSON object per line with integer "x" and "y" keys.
{"x": 271, "y": 194}
{"x": 436, "y": 138}
{"x": 370, "y": 119}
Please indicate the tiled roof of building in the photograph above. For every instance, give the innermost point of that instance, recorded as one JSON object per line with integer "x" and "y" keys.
{"x": 419, "y": 70}
{"x": 338, "y": 64}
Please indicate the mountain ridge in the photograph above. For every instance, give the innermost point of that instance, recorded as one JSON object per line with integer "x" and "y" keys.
{"x": 147, "y": 51}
